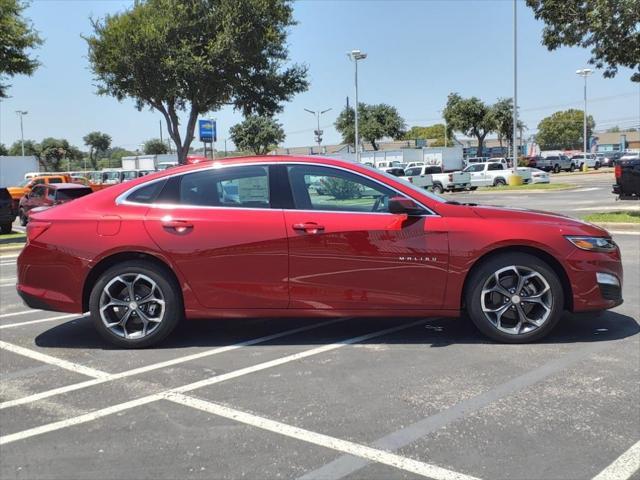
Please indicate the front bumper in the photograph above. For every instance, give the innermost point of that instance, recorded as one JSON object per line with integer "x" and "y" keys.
{"x": 596, "y": 280}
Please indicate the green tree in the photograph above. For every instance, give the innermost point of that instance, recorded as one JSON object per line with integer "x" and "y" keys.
{"x": 17, "y": 36}
{"x": 470, "y": 116}
{"x": 563, "y": 130}
{"x": 608, "y": 27}
{"x": 155, "y": 146}
{"x": 3, "y": 150}
{"x": 434, "y": 133}
{"x": 54, "y": 152}
{"x": 341, "y": 189}
{"x": 502, "y": 112}
{"x": 374, "y": 122}
{"x": 197, "y": 57}
{"x": 30, "y": 148}
{"x": 98, "y": 143}
{"x": 257, "y": 134}
{"x": 613, "y": 129}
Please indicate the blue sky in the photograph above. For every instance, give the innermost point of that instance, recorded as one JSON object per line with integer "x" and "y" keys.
{"x": 419, "y": 51}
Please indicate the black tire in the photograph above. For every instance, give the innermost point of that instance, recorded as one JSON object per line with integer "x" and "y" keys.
{"x": 168, "y": 288}
{"x": 499, "y": 182}
{"x": 485, "y": 273}
{"x": 597, "y": 166}
{"x": 572, "y": 168}
{"x": 556, "y": 169}
{"x": 5, "y": 228}
{"x": 473, "y": 188}
{"x": 23, "y": 218}
{"x": 437, "y": 188}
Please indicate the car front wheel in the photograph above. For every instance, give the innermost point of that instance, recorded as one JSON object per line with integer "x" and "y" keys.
{"x": 135, "y": 304}
{"x": 514, "y": 298}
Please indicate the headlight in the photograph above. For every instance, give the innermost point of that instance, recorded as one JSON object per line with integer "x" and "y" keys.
{"x": 594, "y": 244}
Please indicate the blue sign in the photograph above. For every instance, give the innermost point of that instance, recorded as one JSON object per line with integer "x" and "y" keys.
{"x": 207, "y": 130}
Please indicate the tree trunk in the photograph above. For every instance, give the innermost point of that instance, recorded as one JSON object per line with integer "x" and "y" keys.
{"x": 374, "y": 144}
{"x": 480, "y": 138}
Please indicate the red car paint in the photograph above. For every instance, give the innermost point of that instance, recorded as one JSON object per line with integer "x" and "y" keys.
{"x": 248, "y": 262}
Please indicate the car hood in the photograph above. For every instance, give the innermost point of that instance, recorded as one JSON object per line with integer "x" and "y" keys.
{"x": 568, "y": 225}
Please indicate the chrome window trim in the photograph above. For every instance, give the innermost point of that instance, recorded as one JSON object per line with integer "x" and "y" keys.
{"x": 121, "y": 199}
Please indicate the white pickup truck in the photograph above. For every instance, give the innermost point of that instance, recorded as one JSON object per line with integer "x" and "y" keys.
{"x": 493, "y": 174}
{"x": 431, "y": 176}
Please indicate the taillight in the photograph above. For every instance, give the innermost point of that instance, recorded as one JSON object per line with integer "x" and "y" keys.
{"x": 618, "y": 171}
{"x": 35, "y": 229}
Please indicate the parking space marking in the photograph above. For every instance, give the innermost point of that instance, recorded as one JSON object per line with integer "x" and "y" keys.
{"x": 23, "y": 312}
{"x": 347, "y": 464}
{"x": 167, "y": 363}
{"x": 624, "y": 467}
{"x": 40, "y": 320}
{"x": 333, "y": 443}
{"x": 50, "y": 427}
{"x": 58, "y": 362}
{"x": 624, "y": 232}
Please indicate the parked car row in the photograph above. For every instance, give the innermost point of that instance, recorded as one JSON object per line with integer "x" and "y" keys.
{"x": 557, "y": 162}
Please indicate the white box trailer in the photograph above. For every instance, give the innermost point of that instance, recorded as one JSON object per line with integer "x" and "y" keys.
{"x": 13, "y": 169}
{"x": 449, "y": 158}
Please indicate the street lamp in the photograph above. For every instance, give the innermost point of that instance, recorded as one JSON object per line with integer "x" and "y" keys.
{"x": 21, "y": 113}
{"x": 584, "y": 73}
{"x": 354, "y": 56}
{"x": 318, "y": 132}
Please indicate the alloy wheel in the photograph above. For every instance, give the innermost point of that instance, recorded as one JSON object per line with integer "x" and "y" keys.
{"x": 516, "y": 300}
{"x": 132, "y": 306}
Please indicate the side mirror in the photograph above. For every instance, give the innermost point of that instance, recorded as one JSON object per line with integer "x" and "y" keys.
{"x": 404, "y": 205}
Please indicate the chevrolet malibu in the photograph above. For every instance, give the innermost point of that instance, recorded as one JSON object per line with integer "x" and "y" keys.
{"x": 313, "y": 237}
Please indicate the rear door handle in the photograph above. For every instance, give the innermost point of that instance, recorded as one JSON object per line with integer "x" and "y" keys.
{"x": 179, "y": 226}
{"x": 308, "y": 227}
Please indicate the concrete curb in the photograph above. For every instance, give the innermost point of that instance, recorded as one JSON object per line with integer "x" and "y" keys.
{"x": 497, "y": 190}
{"x": 619, "y": 226}
{"x": 602, "y": 171}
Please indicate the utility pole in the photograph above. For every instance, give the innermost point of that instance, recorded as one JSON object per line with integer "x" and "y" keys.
{"x": 584, "y": 73}
{"x": 514, "y": 140}
{"x": 21, "y": 113}
{"x": 161, "y": 131}
{"x": 318, "y": 132}
{"x": 354, "y": 56}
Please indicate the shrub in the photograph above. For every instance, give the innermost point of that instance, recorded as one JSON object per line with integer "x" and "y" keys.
{"x": 341, "y": 189}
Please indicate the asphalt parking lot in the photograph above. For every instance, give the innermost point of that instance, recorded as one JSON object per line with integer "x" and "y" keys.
{"x": 329, "y": 399}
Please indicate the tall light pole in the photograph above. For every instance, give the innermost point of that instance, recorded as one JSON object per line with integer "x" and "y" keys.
{"x": 514, "y": 141}
{"x": 21, "y": 113}
{"x": 354, "y": 56}
{"x": 445, "y": 127}
{"x": 318, "y": 132}
{"x": 584, "y": 73}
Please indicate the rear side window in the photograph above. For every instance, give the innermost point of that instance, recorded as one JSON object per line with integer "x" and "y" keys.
{"x": 147, "y": 193}
{"x": 240, "y": 187}
{"x": 496, "y": 166}
{"x": 55, "y": 180}
{"x": 71, "y": 193}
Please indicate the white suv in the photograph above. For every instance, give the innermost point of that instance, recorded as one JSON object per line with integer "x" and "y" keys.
{"x": 590, "y": 159}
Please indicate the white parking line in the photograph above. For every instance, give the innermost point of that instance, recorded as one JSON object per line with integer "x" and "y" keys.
{"x": 50, "y": 427}
{"x": 23, "y": 312}
{"x": 58, "y": 362}
{"x": 624, "y": 467}
{"x": 41, "y": 320}
{"x": 156, "y": 366}
{"x": 624, "y": 232}
{"x": 333, "y": 443}
{"x": 607, "y": 208}
{"x": 2, "y": 257}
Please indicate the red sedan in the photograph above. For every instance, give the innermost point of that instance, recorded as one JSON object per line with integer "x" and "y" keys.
{"x": 274, "y": 236}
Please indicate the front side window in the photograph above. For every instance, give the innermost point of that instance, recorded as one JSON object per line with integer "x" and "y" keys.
{"x": 330, "y": 189}
{"x": 496, "y": 166}
{"x": 410, "y": 172}
{"x": 474, "y": 168}
{"x": 242, "y": 187}
{"x": 37, "y": 192}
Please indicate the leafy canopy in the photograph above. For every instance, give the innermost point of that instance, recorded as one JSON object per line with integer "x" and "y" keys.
{"x": 257, "y": 134}
{"x": 610, "y": 28}
{"x": 502, "y": 112}
{"x": 563, "y": 129}
{"x": 17, "y": 36}
{"x": 197, "y": 56}
{"x": 155, "y": 146}
{"x": 434, "y": 133}
{"x": 470, "y": 116}
{"x": 374, "y": 122}
{"x": 98, "y": 143}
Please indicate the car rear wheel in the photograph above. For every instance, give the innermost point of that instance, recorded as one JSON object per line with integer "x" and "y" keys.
{"x": 473, "y": 188}
{"x": 437, "y": 188}
{"x": 135, "y": 304}
{"x": 23, "y": 217}
{"x": 498, "y": 182}
{"x": 556, "y": 169}
{"x": 514, "y": 298}
{"x": 5, "y": 228}
{"x": 597, "y": 166}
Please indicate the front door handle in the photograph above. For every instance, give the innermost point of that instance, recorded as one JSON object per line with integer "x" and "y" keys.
{"x": 179, "y": 226}
{"x": 308, "y": 227}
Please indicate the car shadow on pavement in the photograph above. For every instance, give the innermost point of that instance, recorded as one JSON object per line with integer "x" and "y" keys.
{"x": 436, "y": 332}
